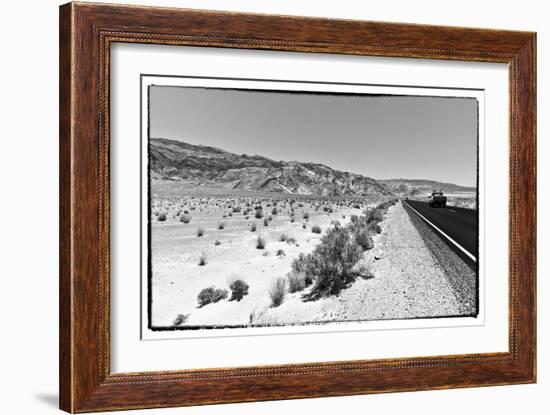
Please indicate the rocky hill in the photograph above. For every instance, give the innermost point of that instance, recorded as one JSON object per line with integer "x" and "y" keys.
{"x": 210, "y": 166}
{"x": 417, "y": 187}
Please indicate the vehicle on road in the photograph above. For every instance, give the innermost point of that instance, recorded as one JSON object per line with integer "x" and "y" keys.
{"x": 437, "y": 199}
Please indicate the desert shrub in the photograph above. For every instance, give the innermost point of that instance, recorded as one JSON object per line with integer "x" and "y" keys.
{"x": 316, "y": 229}
{"x": 239, "y": 289}
{"x": 305, "y": 216}
{"x": 266, "y": 222}
{"x": 304, "y": 226}
{"x": 291, "y": 241}
{"x": 217, "y": 242}
{"x": 274, "y": 211}
{"x": 221, "y": 225}
{"x": 280, "y": 252}
{"x": 202, "y": 260}
{"x": 253, "y": 227}
{"x": 211, "y": 295}
{"x": 161, "y": 217}
{"x": 283, "y": 237}
{"x": 180, "y": 319}
{"x": 219, "y": 294}
{"x": 330, "y": 264}
{"x": 296, "y": 282}
{"x": 277, "y": 292}
{"x": 363, "y": 239}
{"x": 206, "y": 296}
{"x": 185, "y": 218}
{"x": 270, "y": 218}
{"x": 200, "y": 232}
{"x": 374, "y": 227}
{"x": 247, "y": 217}
{"x": 260, "y": 243}
{"x": 259, "y": 214}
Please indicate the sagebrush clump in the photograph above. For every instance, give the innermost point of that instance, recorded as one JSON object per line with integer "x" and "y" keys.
{"x": 330, "y": 264}
{"x": 296, "y": 282}
{"x": 239, "y": 289}
{"x": 211, "y": 295}
{"x": 260, "y": 243}
{"x": 277, "y": 292}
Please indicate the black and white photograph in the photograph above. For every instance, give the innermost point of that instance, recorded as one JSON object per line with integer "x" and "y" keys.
{"x": 265, "y": 206}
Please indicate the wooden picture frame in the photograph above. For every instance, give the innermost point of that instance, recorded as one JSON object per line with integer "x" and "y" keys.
{"x": 86, "y": 33}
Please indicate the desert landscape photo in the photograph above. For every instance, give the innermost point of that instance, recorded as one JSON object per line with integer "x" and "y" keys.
{"x": 270, "y": 208}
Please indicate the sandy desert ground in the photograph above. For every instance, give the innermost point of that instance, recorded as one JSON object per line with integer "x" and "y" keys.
{"x": 231, "y": 253}
{"x": 400, "y": 277}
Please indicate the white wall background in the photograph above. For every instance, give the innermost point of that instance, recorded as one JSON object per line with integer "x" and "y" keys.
{"x": 29, "y": 207}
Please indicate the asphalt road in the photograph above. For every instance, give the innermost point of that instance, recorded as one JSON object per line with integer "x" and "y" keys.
{"x": 458, "y": 224}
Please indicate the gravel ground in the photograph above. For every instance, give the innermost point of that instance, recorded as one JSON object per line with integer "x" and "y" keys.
{"x": 461, "y": 277}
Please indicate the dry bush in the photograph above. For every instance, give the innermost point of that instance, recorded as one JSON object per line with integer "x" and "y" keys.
{"x": 200, "y": 232}
{"x": 374, "y": 227}
{"x": 185, "y": 218}
{"x": 239, "y": 289}
{"x": 221, "y": 225}
{"x": 211, "y": 295}
{"x": 202, "y": 260}
{"x": 296, "y": 282}
{"x": 316, "y": 229}
{"x": 253, "y": 227}
{"x": 280, "y": 252}
{"x": 260, "y": 243}
{"x": 330, "y": 264}
{"x": 363, "y": 239}
{"x": 161, "y": 217}
{"x": 291, "y": 241}
{"x": 277, "y": 292}
{"x": 180, "y": 319}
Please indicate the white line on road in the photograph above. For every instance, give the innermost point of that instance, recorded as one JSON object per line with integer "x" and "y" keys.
{"x": 473, "y": 258}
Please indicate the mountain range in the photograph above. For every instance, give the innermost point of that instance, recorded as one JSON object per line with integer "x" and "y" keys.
{"x": 176, "y": 160}
{"x": 416, "y": 187}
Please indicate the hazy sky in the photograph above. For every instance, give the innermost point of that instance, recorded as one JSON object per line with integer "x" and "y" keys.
{"x": 377, "y": 136}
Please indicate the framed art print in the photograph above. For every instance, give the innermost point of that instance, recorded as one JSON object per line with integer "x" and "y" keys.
{"x": 261, "y": 207}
